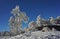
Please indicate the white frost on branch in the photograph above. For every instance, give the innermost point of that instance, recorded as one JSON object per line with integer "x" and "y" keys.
{"x": 15, "y": 10}
{"x": 12, "y": 24}
{"x": 11, "y": 21}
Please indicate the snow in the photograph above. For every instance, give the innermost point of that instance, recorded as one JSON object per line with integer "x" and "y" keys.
{"x": 36, "y": 35}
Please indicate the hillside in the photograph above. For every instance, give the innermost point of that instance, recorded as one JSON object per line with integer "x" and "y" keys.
{"x": 36, "y": 35}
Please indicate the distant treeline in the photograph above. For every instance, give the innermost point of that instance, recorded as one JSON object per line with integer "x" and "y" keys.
{"x": 56, "y": 27}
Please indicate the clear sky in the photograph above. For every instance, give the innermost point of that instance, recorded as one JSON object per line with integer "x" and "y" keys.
{"x": 45, "y": 8}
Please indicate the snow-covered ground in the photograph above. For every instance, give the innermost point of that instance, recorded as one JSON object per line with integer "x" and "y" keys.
{"x": 36, "y": 35}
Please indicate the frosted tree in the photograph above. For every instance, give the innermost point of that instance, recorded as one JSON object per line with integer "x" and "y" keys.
{"x": 18, "y": 17}
{"x": 52, "y": 20}
{"x": 39, "y": 20}
{"x": 32, "y": 25}
{"x": 58, "y": 20}
{"x": 58, "y": 17}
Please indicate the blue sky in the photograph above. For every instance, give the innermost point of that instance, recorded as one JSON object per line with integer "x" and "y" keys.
{"x": 45, "y": 8}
